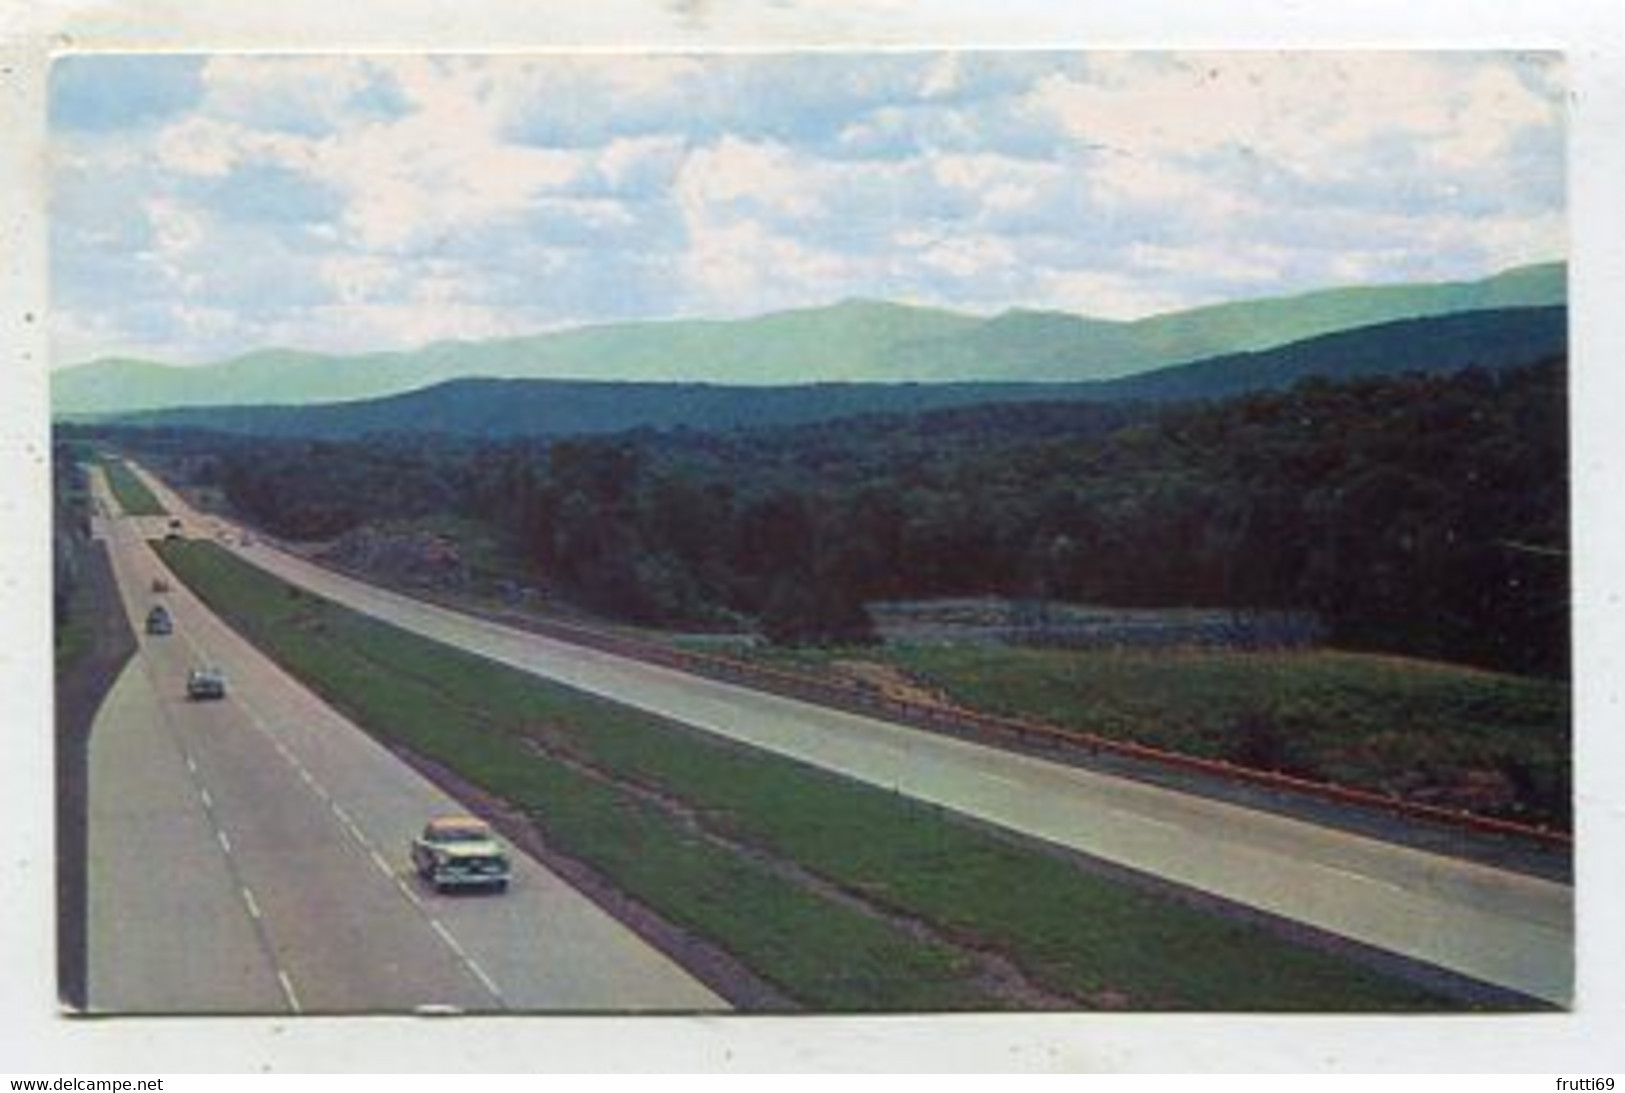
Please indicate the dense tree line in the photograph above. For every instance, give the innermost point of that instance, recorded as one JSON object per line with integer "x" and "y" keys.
{"x": 1425, "y": 515}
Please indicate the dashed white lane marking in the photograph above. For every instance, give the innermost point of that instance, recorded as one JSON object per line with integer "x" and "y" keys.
{"x": 288, "y": 991}
{"x": 191, "y": 764}
{"x": 208, "y": 801}
{"x": 445, "y": 935}
{"x": 468, "y": 962}
{"x": 479, "y": 973}
{"x": 225, "y": 842}
{"x": 253, "y": 907}
{"x": 350, "y": 825}
{"x": 406, "y": 890}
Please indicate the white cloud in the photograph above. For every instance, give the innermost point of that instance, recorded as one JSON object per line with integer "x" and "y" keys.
{"x": 360, "y": 278}
{"x": 1256, "y": 264}
{"x": 1308, "y": 112}
{"x": 304, "y": 94}
{"x": 207, "y": 148}
{"x": 626, "y": 160}
{"x": 1103, "y": 294}
{"x": 983, "y": 173}
{"x": 737, "y": 266}
{"x": 443, "y": 167}
{"x": 734, "y": 172}
{"x": 942, "y": 77}
{"x": 964, "y": 257}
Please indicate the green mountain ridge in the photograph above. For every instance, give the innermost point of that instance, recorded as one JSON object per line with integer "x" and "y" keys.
{"x": 509, "y": 408}
{"x": 855, "y": 341}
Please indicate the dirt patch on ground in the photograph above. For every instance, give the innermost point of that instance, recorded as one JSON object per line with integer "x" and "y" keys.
{"x": 890, "y": 683}
{"x": 81, "y": 685}
{"x": 413, "y": 557}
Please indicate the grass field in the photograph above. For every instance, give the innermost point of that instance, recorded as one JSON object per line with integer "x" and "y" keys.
{"x": 1496, "y": 744}
{"x": 132, "y": 493}
{"x": 963, "y": 892}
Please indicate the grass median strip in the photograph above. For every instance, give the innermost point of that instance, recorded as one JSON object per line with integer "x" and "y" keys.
{"x": 943, "y": 892}
{"x": 133, "y": 495}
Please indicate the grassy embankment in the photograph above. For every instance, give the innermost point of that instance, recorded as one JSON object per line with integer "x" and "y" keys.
{"x": 73, "y": 636}
{"x": 1495, "y": 743}
{"x": 720, "y": 873}
{"x": 133, "y": 495}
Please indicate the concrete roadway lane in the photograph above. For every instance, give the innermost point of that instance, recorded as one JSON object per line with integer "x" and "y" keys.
{"x": 251, "y": 855}
{"x": 1501, "y": 927}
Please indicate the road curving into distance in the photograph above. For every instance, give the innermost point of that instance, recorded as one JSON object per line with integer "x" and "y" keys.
{"x": 251, "y": 855}
{"x": 1501, "y": 927}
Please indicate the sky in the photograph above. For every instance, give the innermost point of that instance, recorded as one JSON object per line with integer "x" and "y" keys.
{"x": 205, "y": 206}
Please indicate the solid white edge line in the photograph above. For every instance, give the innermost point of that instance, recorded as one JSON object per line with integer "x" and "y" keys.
{"x": 382, "y": 863}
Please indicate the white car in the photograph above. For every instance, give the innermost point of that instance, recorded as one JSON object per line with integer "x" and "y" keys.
{"x": 204, "y": 683}
{"x": 460, "y": 852}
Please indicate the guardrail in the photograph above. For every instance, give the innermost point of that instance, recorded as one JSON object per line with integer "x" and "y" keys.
{"x": 860, "y": 698}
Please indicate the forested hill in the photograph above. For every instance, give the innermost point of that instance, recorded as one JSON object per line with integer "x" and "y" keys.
{"x": 514, "y": 408}
{"x": 1416, "y": 514}
{"x": 1447, "y": 343}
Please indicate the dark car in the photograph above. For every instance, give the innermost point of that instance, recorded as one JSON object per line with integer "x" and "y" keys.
{"x": 158, "y": 621}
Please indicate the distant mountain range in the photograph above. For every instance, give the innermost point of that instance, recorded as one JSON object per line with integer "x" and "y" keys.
{"x": 497, "y": 408}
{"x": 856, "y": 341}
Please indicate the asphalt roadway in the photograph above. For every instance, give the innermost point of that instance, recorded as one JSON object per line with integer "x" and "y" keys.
{"x": 251, "y": 856}
{"x": 1500, "y": 927}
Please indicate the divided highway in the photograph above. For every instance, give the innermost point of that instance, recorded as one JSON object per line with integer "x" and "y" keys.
{"x": 1501, "y": 927}
{"x": 250, "y": 855}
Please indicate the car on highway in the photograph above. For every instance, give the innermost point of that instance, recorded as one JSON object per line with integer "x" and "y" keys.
{"x": 204, "y": 683}
{"x": 160, "y": 585}
{"x": 460, "y": 852}
{"x": 158, "y": 620}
